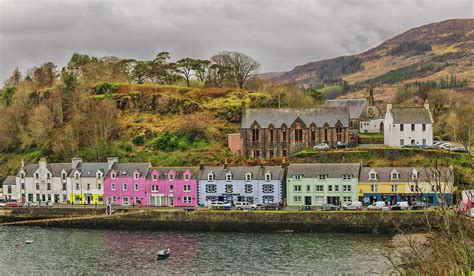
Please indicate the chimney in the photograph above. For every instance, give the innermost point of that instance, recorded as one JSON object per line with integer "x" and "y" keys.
{"x": 226, "y": 165}
{"x": 42, "y": 164}
{"x": 75, "y": 162}
{"x": 22, "y": 163}
{"x": 427, "y": 105}
{"x": 111, "y": 161}
{"x": 243, "y": 107}
{"x": 389, "y": 106}
{"x": 201, "y": 166}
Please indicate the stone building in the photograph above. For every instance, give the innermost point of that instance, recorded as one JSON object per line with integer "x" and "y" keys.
{"x": 279, "y": 132}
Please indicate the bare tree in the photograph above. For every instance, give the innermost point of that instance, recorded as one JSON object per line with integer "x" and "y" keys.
{"x": 235, "y": 67}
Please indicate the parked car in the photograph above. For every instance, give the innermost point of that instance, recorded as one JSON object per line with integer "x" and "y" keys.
{"x": 446, "y": 146}
{"x": 402, "y": 205}
{"x": 330, "y": 207}
{"x": 429, "y": 147}
{"x": 220, "y": 205}
{"x": 439, "y": 143}
{"x": 245, "y": 206}
{"x": 2, "y": 204}
{"x": 460, "y": 149}
{"x": 271, "y": 206}
{"x": 378, "y": 205}
{"x": 355, "y": 205}
{"x": 31, "y": 204}
{"x": 322, "y": 146}
{"x": 340, "y": 145}
{"x": 419, "y": 206}
{"x": 13, "y": 204}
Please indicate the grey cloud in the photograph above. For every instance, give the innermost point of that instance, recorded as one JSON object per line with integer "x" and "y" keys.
{"x": 279, "y": 34}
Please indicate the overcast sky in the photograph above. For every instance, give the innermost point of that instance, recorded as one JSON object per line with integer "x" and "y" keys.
{"x": 278, "y": 34}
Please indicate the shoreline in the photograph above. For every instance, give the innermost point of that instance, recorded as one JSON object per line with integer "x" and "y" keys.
{"x": 222, "y": 221}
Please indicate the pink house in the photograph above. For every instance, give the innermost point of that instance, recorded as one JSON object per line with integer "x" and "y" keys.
{"x": 172, "y": 187}
{"x": 125, "y": 184}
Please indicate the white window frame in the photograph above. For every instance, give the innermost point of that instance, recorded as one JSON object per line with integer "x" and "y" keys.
{"x": 210, "y": 176}
{"x": 228, "y": 176}
{"x": 124, "y": 186}
{"x": 319, "y": 188}
{"x": 113, "y": 187}
{"x": 298, "y": 177}
{"x": 136, "y": 187}
{"x": 394, "y": 188}
{"x": 187, "y": 188}
{"x": 268, "y": 176}
{"x": 297, "y": 188}
{"x": 248, "y": 177}
{"x": 373, "y": 188}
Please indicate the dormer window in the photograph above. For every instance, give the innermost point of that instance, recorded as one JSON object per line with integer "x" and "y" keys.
{"x": 414, "y": 174}
{"x": 297, "y": 176}
{"x": 436, "y": 174}
{"x": 136, "y": 175}
{"x": 373, "y": 176}
{"x": 155, "y": 177}
{"x": 77, "y": 174}
{"x": 248, "y": 177}
{"x": 113, "y": 175}
{"x": 48, "y": 175}
{"x": 268, "y": 176}
{"x": 228, "y": 176}
{"x": 186, "y": 177}
{"x": 63, "y": 176}
{"x": 22, "y": 175}
{"x": 36, "y": 175}
{"x": 210, "y": 176}
{"x": 171, "y": 177}
{"x": 395, "y": 176}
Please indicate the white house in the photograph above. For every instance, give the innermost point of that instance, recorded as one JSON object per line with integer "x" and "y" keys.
{"x": 255, "y": 184}
{"x": 408, "y": 126}
{"x": 9, "y": 188}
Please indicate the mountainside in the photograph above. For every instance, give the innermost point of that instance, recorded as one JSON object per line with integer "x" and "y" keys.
{"x": 421, "y": 54}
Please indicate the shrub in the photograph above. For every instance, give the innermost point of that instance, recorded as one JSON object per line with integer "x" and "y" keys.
{"x": 105, "y": 88}
{"x": 137, "y": 120}
{"x": 127, "y": 146}
{"x": 138, "y": 140}
{"x": 166, "y": 141}
{"x": 410, "y": 48}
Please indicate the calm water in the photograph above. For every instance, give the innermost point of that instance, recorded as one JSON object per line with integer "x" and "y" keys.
{"x": 77, "y": 251}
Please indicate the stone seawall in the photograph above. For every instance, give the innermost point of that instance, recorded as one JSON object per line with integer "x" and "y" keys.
{"x": 238, "y": 221}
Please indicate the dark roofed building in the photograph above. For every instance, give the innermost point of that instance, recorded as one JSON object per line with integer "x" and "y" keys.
{"x": 279, "y": 132}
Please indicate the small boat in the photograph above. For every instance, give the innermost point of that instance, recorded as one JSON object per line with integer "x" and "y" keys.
{"x": 29, "y": 241}
{"x": 163, "y": 254}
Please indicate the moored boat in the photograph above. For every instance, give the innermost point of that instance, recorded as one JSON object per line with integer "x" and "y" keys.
{"x": 163, "y": 254}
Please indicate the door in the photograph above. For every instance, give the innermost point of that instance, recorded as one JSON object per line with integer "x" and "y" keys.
{"x": 56, "y": 198}
{"x": 307, "y": 200}
{"x": 125, "y": 200}
{"x": 171, "y": 201}
{"x": 88, "y": 199}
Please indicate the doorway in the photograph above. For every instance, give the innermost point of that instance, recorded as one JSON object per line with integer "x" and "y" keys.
{"x": 333, "y": 200}
{"x": 88, "y": 199}
{"x": 307, "y": 200}
{"x": 171, "y": 201}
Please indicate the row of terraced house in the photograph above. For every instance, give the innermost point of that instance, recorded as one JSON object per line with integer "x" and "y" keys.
{"x": 293, "y": 185}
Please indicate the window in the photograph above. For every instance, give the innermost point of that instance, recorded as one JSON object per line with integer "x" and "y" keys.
{"x": 154, "y": 188}
{"x": 412, "y": 141}
{"x": 297, "y": 198}
{"x": 228, "y": 177}
{"x": 373, "y": 188}
{"x": 229, "y": 188}
{"x": 297, "y": 188}
{"x": 336, "y": 188}
{"x": 402, "y": 142}
{"x": 88, "y": 186}
{"x": 284, "y": 153}
{"x": 22, "y": 175}
{"x": 63, "y": 176}
{"x": 268, "y": 199}
{"x": 346, "y": 188}
{"x": 423, "y": 127}
{"x": 248, "y": 188}
{"x": 372, "y": 176}
{"x": 99, "y": 186}
{"x": 271, "y": 153}
{"x": 268, "y": 176}
{"x": 319, "y": 188}
{"x": 64, "y": 186}
{"x": 256, "y": 153}
{"x": 395, "y": 176}
{"x": 155, "y": 177}
{"x": 347, "y": 176}
{"x": 313, "y": 134}
{"x": 401, "y": 127}
{"x": 114, "y": 199}
{"x": 48, "y": 176}
{"x": 48, "y": 186}
{"x": 77, "y": 186}
{"x": 414, "y": 175}
{"x": 423, "y": 142}
{"x": 113, "y": 175}
{"x": 414, "y": 188}
{"x": 319, "y": 198}
{"x": 38, "y": 197}
{"x": 298, "y": 135}
{"x": 248, "y": 177}
{"x": 339, "y": 134}
{"x": 76, "y": 175}
{"x": 187, "y": 199}
{"x": 135, "y": 176}
{"x": 124, "y": 187}
{"x": 322, "y": 176}
{"x": 412, "y": 127}
{"x": 186, "y": 177}
{"x": 271, "y": 135}
{"x": 171, "y": 177}
{"x": 135, "y": 187}
{"x": 137, "y": 200}
{"x": 330, "y": 188}
{"x": 325, "y": 135}
{"x": 9, "y": 189}
{"x": 77, "y": 198}
{"x": 283, "y": 135}
{"x": 171, "y": 188}
{"x": 125, "y": 201}
{"x": 210, "y": 177}
{"x": 268, "y": 188}
{"x": 112, "y": 187}
{"x": 297, "y": 176}
{"x": 211, "y": 188}
{"x": 23, "y": 186}
{"x": 187, "y": 188}
{"x": 99, "y": 175}
{"x": 347, "y": 199}
{"x": 36, "y": 175}
{"x": 255, "y": 135}
{"x": 394, "y": 188}
{"x": 308, "y": 188}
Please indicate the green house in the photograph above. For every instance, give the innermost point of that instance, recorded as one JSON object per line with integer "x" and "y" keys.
{"x": 317, "y": 184}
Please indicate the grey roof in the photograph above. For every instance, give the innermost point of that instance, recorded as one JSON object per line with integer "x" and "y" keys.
{"x": 90, "y": 169}
{"x": 384, "y": 174}
{"x": 355, "y": 106}
{"x": 238, "y": 173}
{"x": 279, "y": 116}
{"x": 10, "y": 180}
{"x": 163, "y": 172}
{"x": 411, "y": 115}
{"x": 127, "y": 169}
{"x": 332, "y": 170}
{"x": 54, "y": 168}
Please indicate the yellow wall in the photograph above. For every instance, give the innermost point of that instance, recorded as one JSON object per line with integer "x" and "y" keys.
{"x": 95, "y": 199}
{"x": 386, "y": 188}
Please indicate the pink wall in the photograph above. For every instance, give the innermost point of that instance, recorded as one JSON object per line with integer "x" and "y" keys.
{"x": 131, "y": 193}
{"x": 164, "y": 184}
{"x": 234, "y": 142}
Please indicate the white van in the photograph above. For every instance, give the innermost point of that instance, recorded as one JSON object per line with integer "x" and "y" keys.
{"x": 378, "y": 205}
{"x": 402, "y": 205}
{"x": 356, "y": 205}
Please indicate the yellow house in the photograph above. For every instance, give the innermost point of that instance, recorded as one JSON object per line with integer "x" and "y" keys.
{"x": 87, "y": 183}
{"x": 394, "y": 184}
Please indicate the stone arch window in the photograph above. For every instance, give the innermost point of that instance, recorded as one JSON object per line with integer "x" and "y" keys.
{"x": 326, "y": 132}
{"x": 298, "y": 132}
{"x": 312, "y": 132}
{"x": 339, "y": 132}
{"x": 271, "y": 133}
{"x": 284, "y": 134}
{"x": 255, "y": 132}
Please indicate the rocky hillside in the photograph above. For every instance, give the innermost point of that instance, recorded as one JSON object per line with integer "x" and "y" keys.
{"x": 425, "y": 53}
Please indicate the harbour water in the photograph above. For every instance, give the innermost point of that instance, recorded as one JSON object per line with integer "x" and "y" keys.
{"x": 80, "y": 251}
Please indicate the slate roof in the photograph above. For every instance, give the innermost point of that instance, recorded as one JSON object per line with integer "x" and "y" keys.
{"x": 10, "y": 180}
{"x": 238, "y": 173}
{"x": 90, "y": 169}
{"x": 332, "y": 170}
{"x": 54, "y": 168}
{"x": 384, "y": 174}
{"x": 127, "y": 169}
{"x": 410, "y": 115}
{"x": 355, "y": 106}
{"x": 279, "y": 116}
{"x": 179, "y": 172}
